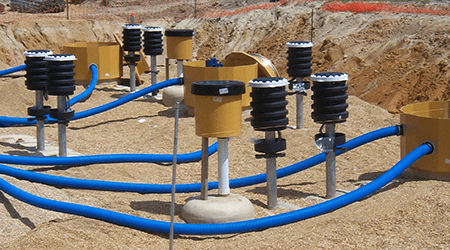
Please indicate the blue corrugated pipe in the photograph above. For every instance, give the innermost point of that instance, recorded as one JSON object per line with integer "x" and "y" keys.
{"x": 164, "y": 188}
{"x": 88, "y": 91}
{"x": 12, "y": 70}
{"x": 126, "y": 98}
{"x": 109, "y": 158}
{"x": 223, "y": 228}
{"x": 75, "y": 99}
{"x": 11, "y": 121}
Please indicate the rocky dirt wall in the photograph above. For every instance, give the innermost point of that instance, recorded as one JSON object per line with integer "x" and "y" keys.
{"x": 392, "y": 59}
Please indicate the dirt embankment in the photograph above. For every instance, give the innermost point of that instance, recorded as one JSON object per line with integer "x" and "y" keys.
{"x": 392, "y": 59}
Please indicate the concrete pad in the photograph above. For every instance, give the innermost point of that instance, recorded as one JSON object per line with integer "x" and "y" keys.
{"x": 172, "y": 95}
{"x": 339, "y": 192}
{"x": 288, "y": 206}
{"x": 155, "y": 98}
{"x": 29, "y": 144}
{"x": 218, "y": 209}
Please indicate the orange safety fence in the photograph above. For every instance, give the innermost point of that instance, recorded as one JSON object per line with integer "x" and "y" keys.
{"x": 367, "y": 7}
{"x": 120, "y": 10}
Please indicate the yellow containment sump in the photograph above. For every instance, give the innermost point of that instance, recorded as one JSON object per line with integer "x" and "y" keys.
{"x": 265, "y": 66}
{"x": 179, "y": 43}
{"x": 196, "y": 71}
{"x": 428, "y": 121}
{"x": 218, "y": 108}
{"x": 106, "y": 55}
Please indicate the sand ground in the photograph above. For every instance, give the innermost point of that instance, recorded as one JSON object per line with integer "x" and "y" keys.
{"x": 408, "y": 213}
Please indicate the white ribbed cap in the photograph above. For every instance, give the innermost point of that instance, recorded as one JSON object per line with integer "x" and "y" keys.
{"x": 132, "y": 26}
{"x": 37, "y": 53}
{"x": 329, "y": 77}
{"x": 268, "y": 82}
{"x": 299, "y": 44}
{"x": 153, "y": 29}
{"x": 62, "y": 57}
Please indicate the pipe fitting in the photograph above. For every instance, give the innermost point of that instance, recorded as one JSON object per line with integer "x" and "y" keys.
{"x": 60, "y": 74}
{"x": 329, "y": 98}
{"x": 132, "y": 36}
{"x": 401, "y": 129}
{"x": 299, "y": 64}
{"x": 153, "y": 41}
{"x": 431, "y": 145}
{"x": 269, "y": 103}
{"x": 36, "y": 69}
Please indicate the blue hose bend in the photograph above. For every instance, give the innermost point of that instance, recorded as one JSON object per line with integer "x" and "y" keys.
{"x": 101, "y": 159}
{"x": 6, "y": 121}
{"x": 90, "y": 89}
{"x": 223, "y": 228}
{"x": 166, "y": 188}
{"x": 12, "y": 70}
{"x": 126, "y": 98}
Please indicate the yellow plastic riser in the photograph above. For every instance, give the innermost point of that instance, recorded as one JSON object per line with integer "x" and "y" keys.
{"x": 197, "y": 71}
{"x": 179, "y": 48}
{"x": 106, "y": 55}
{"x": 218, "y": 116}
{"x": 428, "y": 121}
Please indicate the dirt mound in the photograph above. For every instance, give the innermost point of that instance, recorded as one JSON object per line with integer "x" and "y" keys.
{"x": 392, "y": 59}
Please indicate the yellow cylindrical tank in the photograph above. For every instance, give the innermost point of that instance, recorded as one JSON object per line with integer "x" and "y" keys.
{"x": 428, "y": 121}
{"x": 179, "y": 43}
{"x": 218, "y": 108}
{"x": 233, "y": 70}
{"x": 106, "y": 55}
{"x": 265, "y": 66}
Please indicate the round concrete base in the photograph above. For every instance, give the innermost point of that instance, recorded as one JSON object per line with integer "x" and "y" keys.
{"x": 172, "y": 95}
{"x": 218, "y": 209}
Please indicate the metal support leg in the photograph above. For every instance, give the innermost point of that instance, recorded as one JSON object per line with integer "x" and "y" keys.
{"x": 167, "y": 69}
{"x": 224, "y": 180}
{"x": 133, "y": 77}
{"x": 204, "y": 188}
{"x": 40, "y": 135}
{"x": 154, "y": 73}
{"x": 299, "y": 96}
{"x": 180, "y": 68}
{"x": 299, "y": 102}
{"x": 330, "y": 163}
{"x": 271, "y": 171}
{"x": 62, "y": 135}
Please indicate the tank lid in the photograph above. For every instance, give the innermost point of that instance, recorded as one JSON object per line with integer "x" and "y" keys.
{"x": 218, "y": 88}
{"x": 60, "y": 57}
{"x": 268, "y": 82}
{"x": 299, "y": 44}
{"x": 153, "y": 29}
{"x": 329, "y": 77}
{"x": 132, "y": 26}
{"x": 179, "y": 32}
{"x": 37, "y": 53}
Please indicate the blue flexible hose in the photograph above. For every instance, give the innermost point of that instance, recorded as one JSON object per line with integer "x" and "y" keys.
{"x": 223, "y": 228}
{"x": 88, "y": 91}
{"x": 100, "y": 159}
{"x": 12, "y": 70}
{"x": 165, "y": 188}
{"x": 11, "y": 121}
{"x": 126, "y": 98}
{"x": 6, "y": 121}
